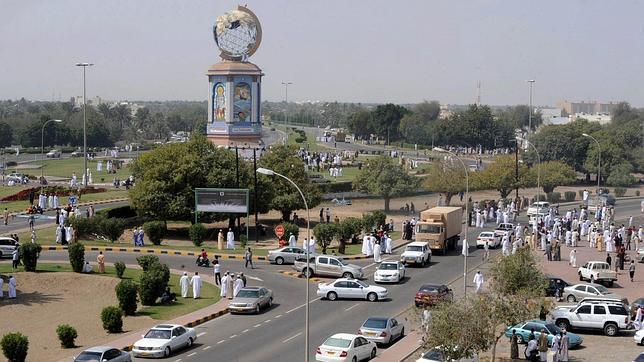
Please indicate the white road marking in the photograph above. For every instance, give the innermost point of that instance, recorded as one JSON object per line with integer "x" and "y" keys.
{"x": 192, "y": 354}
{"x": 288, "y": 339}
{"x": 177, "y": 360}
{"x": 206, "y": 347}
{"x": 245, "y": 330}
{"x": 266, "y": 321}
{"x": 298, "y": 307}
{"x": 220, "y": 342}
{"x": 257, "y": 325}
{"x": 277, "y": 316}
{"x": 201, "y": 334}
{"x": 254, "y": 278}
{"x": 353, "y": 306}
{"x": 233, "y": 336}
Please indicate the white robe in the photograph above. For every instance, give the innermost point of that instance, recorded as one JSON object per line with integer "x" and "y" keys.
{"x": 388, "y": 242}
{"x": 230, "y": 240}
{"x": 312, "y": 246}
{"x": 50, "y": 201}
{"x": 68, "y": 234}
{"x": 55, "y": 202}
{"x": 196, "y": 286}
{"x": 305, "y": 244}
{"x": 365, "y": 245}
{"x": 59, "y": 234}
{"x": 1, "y": 291}
{"x": 224, "y": 286}
{"x": 376, "y": 253}
{"x": 573, "y": 258}
{"x": 505, "y": 245}
{"x": 291, "y": 240}
{"x": 12, "y": 287}
{"x": 478, "y": 280}
{"x": 237, "y": 286}
{"x": 184, "y": 282}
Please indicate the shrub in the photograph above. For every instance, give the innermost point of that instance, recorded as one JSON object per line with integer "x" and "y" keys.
{"x": 15, "y": 346}
{"x": 290, "y": 228}
{"x": 126, "y": 294}
{"x": 76, "y": 253}
{"x": 155, "y": 230}
{"x": 637, "y": 192}
{"x": 197, "y": 233}
{"x": 112, "y": 318}
{"x": 66, "y": 334}
{"x": 581, "y": 193}
{"x": 153, "y": 283}
{"x": 120, "y": 268}
{"x": 145, "y": 261}
{"x": 335, "y": 187}
{"x": 29, "y": 253}
{"x": 569, "y": 195}
{"x": 620, "y": 191}
{"x": 243, "y": 240}
{"x": 84, "y": 226}
{"x": 553, "y": 197}
{"x": 112, "y": 228}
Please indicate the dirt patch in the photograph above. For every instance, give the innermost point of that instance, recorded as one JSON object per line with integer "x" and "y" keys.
{"x": 46, "y": 300}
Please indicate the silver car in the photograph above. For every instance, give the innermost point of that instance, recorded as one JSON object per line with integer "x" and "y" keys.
{"x": 103, "y": 353}
{"x": 251, "y": 300}
{"x": 382, "y": 330}
{"x": 284, "y": 255}
{"x": 578, "y": 292}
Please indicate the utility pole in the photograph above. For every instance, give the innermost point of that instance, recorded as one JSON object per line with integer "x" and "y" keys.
{"x": 531, "y": 82}
{"x": 84, "y": 65}
{"x": 286, "y": 84}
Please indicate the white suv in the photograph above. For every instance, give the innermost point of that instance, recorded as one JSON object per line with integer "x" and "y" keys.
{"x": 417, "y": 252}
{"x": 610, "y": 317}
{"x": 7, "y": 246}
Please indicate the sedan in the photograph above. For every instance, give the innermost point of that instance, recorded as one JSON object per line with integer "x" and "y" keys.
{"x": 430, "y": 294}
{"x": 346, "y": 347}
{"x": 389, "y": 271}
{"x": 523, "y": 330}
{"x": 163, "y": 339}
{"x": 286, "y": 254}
{"x": 490, "y": 237}
{"x": 103, "y": 353}
{"x": 53, "y": 154}
{"x": 251, "y": 300}
{"x": 17, "y": 178}
{"x": 539, "y": 208}
{"x": 382, "y": 330}
{"x": 351, "y": 289}
{"x": 577, "y": 292}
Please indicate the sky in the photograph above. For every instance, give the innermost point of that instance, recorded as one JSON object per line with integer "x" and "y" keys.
{"x": 331, "y": 50}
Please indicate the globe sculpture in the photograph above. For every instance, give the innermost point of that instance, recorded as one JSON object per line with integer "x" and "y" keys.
{"x": 238, "y": 34}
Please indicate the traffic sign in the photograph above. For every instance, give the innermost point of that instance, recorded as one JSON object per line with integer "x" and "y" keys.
{"x": 279, "y": 231}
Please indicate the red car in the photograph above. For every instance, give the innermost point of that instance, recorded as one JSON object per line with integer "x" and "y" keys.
{"x": 430, "y": 294}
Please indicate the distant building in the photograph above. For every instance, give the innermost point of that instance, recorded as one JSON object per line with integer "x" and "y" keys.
{"x": 592, "y": 107}
{"x": 602, "y": 118}
{"x": 78, "y": 101}
{"x": 547, "y": 114}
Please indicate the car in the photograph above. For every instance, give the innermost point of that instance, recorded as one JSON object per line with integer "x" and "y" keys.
{"x": 524, "y": 329}
{"x": 7, "y": 246}
{"x": 77, "y": 154}
{"x": 382, "y": 330}
{"x": 53, "y": 154}
{"x": 553, "y": 284}
{"x": 597, "y": 271}
{"x": 504, "y": 228}
{"x": 327, "y": 265}
{"x": 640, "y": 255}
{"x": 604, "y": 200}
{"x": 389, "y": 271}
{"x": 578, "y": 292}
{"x": 351, "y": 289}
{"x": 639, "y": 337}
{"x": 430, "y": 294}
{"x": 417, "y": 252}
{"x": 251, "y": 300}
{"x": 539, "y": 208}
{"x": 437, "y": 355}
{"x": 609, "y": 316}
{"x": 287, "y": 254}
{"x": 346, "y": 347}
{"x": 163, "y": 339}
{"x": 639, "y": 358}
{"x": 103, "y": 354}
{"x": 17, "y": 178}
{"x": 637, "y": 303}
{"x": 489, "y": 236}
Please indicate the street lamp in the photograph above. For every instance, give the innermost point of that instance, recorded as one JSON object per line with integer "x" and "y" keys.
{"x": 531, "y": 82}
{"x": 84, "y": 65}
{"x": 538, "y": 165}
{"x": 599, "y": 166}
{"x": 466, "y": 245}
{"x": 42, "y": 145}
{"x": 286, "y": 84}
{"x": 268, "y": 172}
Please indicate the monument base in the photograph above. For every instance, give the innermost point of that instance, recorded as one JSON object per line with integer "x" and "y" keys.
{"x": 228, "y": 140}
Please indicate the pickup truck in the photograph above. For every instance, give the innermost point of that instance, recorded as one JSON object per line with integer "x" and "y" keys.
{"x": 504, "y": 228}
{"x": 597, "y": 272}
{"x": 329, "y": 266}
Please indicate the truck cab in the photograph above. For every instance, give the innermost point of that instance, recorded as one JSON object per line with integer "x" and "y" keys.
{"x": 440, "y": 227}
{"x": 597, "y": 272}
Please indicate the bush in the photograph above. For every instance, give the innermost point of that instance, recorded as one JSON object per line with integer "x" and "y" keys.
{"x": 112, "y": 318}
{"x": 569, "y": 195}
{"x": 290, "y": 228}
{"x": 637, "y": 193}
{"x": 29, "y": 253}
{"x": 153, "y": 283}
{"x": 126, "y": 294}
{"x": 76, "y": 253}
{"x": 336, "y": 187}
{"x": 66, "y": 334}
{"x": 120, "y": 268}
{"x": 112, "y": 228}
{"x": 155, "y": 230}
{"x": 243, "y": 241}
{"x": 15, "y": 346}
{"x": 121, "y": 212}
{"x": 197, "y": 233}
{"x": 146, "y": 261}
{"x": 620, "y": 191}
{"x": 553, "y": 197}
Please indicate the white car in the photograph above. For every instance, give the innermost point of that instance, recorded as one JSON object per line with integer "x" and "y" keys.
{"x": 640, "y": 255}
{"x": 539, "y": 208}
{"x": 639, "y": 337}
{"x": 417, "y": 252}
{"x": 489, "y": 236}
{"x": 389, "y": 272}
{"x": 352, "y": 289}
{"x": 7, "y": 246}
{"x": 53, "y": 154}
{"x": 163, "y": 339}
{"x": 346, "y": 347}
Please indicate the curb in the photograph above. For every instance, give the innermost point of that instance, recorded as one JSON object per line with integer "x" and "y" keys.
{"x": 299, "y": 276}
{"x": 152, "y": 251}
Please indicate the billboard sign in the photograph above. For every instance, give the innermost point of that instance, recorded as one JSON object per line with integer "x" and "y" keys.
{"x": 234, "y": 201}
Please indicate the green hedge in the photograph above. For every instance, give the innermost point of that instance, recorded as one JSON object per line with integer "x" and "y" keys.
{"x": 197, "y": 233}
{"x": 620, "y": 191}
{"x": 155, "y": 230}
{"x": 126, "y": 291}
{"x": 569, "y": 195}
{"x": 553, "y": 197}
{"x": 29, "y": 253}
{"x": 335, "y": 187}
{"x": 15, "y": 346}
{"x": 120, "y": 269}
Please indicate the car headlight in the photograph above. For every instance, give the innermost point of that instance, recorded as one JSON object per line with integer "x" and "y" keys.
{"x": 158, "y": 348}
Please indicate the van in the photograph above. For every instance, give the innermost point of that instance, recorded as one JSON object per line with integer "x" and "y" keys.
{"x": 7, "y": 246}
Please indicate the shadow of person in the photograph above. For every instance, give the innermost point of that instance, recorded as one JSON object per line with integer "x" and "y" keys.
{"x": 33, "y": 298}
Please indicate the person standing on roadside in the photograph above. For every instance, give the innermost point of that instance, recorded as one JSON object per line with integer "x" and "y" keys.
{"x": 486, "y": 253}
{"x": 15, "y": 257}
{"x": 514, "y": 346}
{"x": 100, "y": 259}
{"x": 5, "y": 214}
{"x": 543, "y": 346}
{"x": 248, "y": 257}
{"x": 631, "y": 270}
{"x": 217, "y": 270}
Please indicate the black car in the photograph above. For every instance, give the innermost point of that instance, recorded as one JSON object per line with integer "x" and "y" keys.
{"x": 553, "y": 284}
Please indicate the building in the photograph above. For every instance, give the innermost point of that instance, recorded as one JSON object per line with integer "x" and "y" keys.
{"x": 548, "y": 114}
{"x": 591, "y": 107}
{"x": 602, "y": 118}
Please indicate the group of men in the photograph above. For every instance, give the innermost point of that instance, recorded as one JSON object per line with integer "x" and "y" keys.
{"x": 11, "y": 287}
{"x": 376, "y": 244}
{"x": 231, "y": 284}
{"x": 491, "y": 211}
{"x": 65, "y": 234}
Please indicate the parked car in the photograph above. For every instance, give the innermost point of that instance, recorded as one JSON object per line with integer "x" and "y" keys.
{"x": 251, "y": 300}
{"x": 597, "y": 272}
{"x": 504, "y": 228}
{"x": 639, "y": 257}
{"x": 53, "y": 154}
{"x": 611, "y": 317}
{"x": 430, "y": 294}
{"x": 490, "y": 237}
{"x": 389, "y": 271}
{"x": 637, "y": 303}
{"x": 437, "y": 355}
{"x": 77, "y": 154}
{"x": 577, "y": 292}
{"x": 286, "y": 254}
{"x": 382, "y": 330}
{"x": 539, "y": 208}
{"x": 163, "y": 339}
{"x": 417, "y": 252}
{"x": 639, "y": 337}
{"x": 604, "y": 200}
{"x": 346, "y": 347}
{"x": 7, "y": 246}
{"x": 17, "y": 178}
{"x": 352, "y": 289}
{"x": 103, "y": 354}
{"x": 524, "y": 329}
{"x": 327, "y": 265}
{"x": 553, "y": 284}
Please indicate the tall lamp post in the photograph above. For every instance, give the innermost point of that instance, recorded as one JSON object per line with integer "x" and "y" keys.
{"x": 531, "y": 82}
{"x": 42, "y": 145}
{"x": 84, "y": 65}
{"x": 268, "y": 172}
{"x": 599, "y": 166}
{"x": 286, "y": 84}
{"x": 538, "y": 167}
{"x": 466, "y": 245}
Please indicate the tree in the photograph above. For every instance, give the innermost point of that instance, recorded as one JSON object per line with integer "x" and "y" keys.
{"x": 360, "y": 124}
{"x": 112, "y": 228}
{"x": 553, "y": 174}
{"x": 414, "y": 129}
{"x": 347, "y": 229}
{"x": 29, "y": 253}
{"x": 519, "y": 117}
{"x": 386, "y": 120}
{"x": 447, "y": 178}
{"x": 324, "y": 233}
{"x": 382, "y": 177}
{"x": 126, "y": 294}
{"x": 15, "y": 346}
{"x": 500, "y": 175}
{"x": 621, "y": 175}
{"x": 6, "y": 134}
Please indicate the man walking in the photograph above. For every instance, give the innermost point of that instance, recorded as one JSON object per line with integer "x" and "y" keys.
{"x": 543, "y": 346}
{"x": 573, "y": 258}
{"x": 248, "y": 256}
{"x": 100, "y": 259}
{"x": 195, "y": 281}
{"x": 548, "y": 252}
{"x": 478, "y": 280}
{"x": 486, "y": 253}
{"x": 631, "y": 269}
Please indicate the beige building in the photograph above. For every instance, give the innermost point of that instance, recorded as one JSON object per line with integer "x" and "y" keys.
{"x": 586, "y": 107}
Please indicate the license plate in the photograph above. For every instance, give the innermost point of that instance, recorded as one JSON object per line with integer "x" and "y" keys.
{"x": 330, "y": 353}
{"x": 370, "y": 334}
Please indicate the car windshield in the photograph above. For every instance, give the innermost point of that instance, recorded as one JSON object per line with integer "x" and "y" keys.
{"x": 337, "y": 342}
{"x": 377, "y": 323}
{"x": 427, "y": 228}
{"x": 602, "y": 289}
{"x": 486, "y": 235}
{"x": 388, "y": 266}
{"x": 362, "y": 283}
{"x": 414, "y": 248}
{"x": 552, "y": 328}
{"x": 158, "y": 334}
{"x": 247, "y": 294}
{"x": 342, "y": 261}
{"x": 428, "y": 289}
{"x": 89, "y": 356}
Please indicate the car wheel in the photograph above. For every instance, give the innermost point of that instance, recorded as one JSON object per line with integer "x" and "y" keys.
{"x": 402, "y": 333}
{"x": 571, "y": 298}
{"x": 190, "y": 342}
{"x": 332, "y": 296}
{"x": 372, "y": 297}
{"x": 307, "y": 272}
{"x": 257, "y": 309}
{"x": 279, "y": 260}
{"x": 166, "y": 352}
{"x": 610, "y": 330}
{"x": 347, "y": 275}
{"x": 563, "y": 324}
{"x": 520, "y": 339}
{"x": 373, "y": 354}
{"x": 270, "y": 302}
{"x": 610, "y": 284}
{"x": 581, "y": 279}
{"x": 592, "y": 279}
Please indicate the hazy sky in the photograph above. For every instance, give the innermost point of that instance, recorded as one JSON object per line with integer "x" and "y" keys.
{"x": 345, "y": 50}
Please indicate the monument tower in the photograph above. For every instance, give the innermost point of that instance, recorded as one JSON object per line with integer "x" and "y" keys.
{"x": 234, "y": 102}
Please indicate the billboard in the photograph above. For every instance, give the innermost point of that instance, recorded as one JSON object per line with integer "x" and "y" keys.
{"x": 222, "y": 200}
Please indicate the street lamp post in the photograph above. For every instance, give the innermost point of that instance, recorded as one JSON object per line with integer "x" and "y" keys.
{"x": 84, "y": 65}
{"x": 268, "y": 172}
{"x": 531, "y": 82}
{"x": 466, "y": 245}
{"x": 538, "y": 167}
{"x": 599, "y": 166}
{"x": 286, "y": 84}
{"x": 42, "y": 145}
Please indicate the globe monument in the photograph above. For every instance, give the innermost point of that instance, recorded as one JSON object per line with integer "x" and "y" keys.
{"x": 234, "y": 104}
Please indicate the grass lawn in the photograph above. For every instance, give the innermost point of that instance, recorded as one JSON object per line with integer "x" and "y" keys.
{"x": 348, "y": 174}
{"x": 209, "y": 293}
{"x": 22, "y": 205}
{"x": 65, "y": 167}
{"x": 10, "y": 190}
